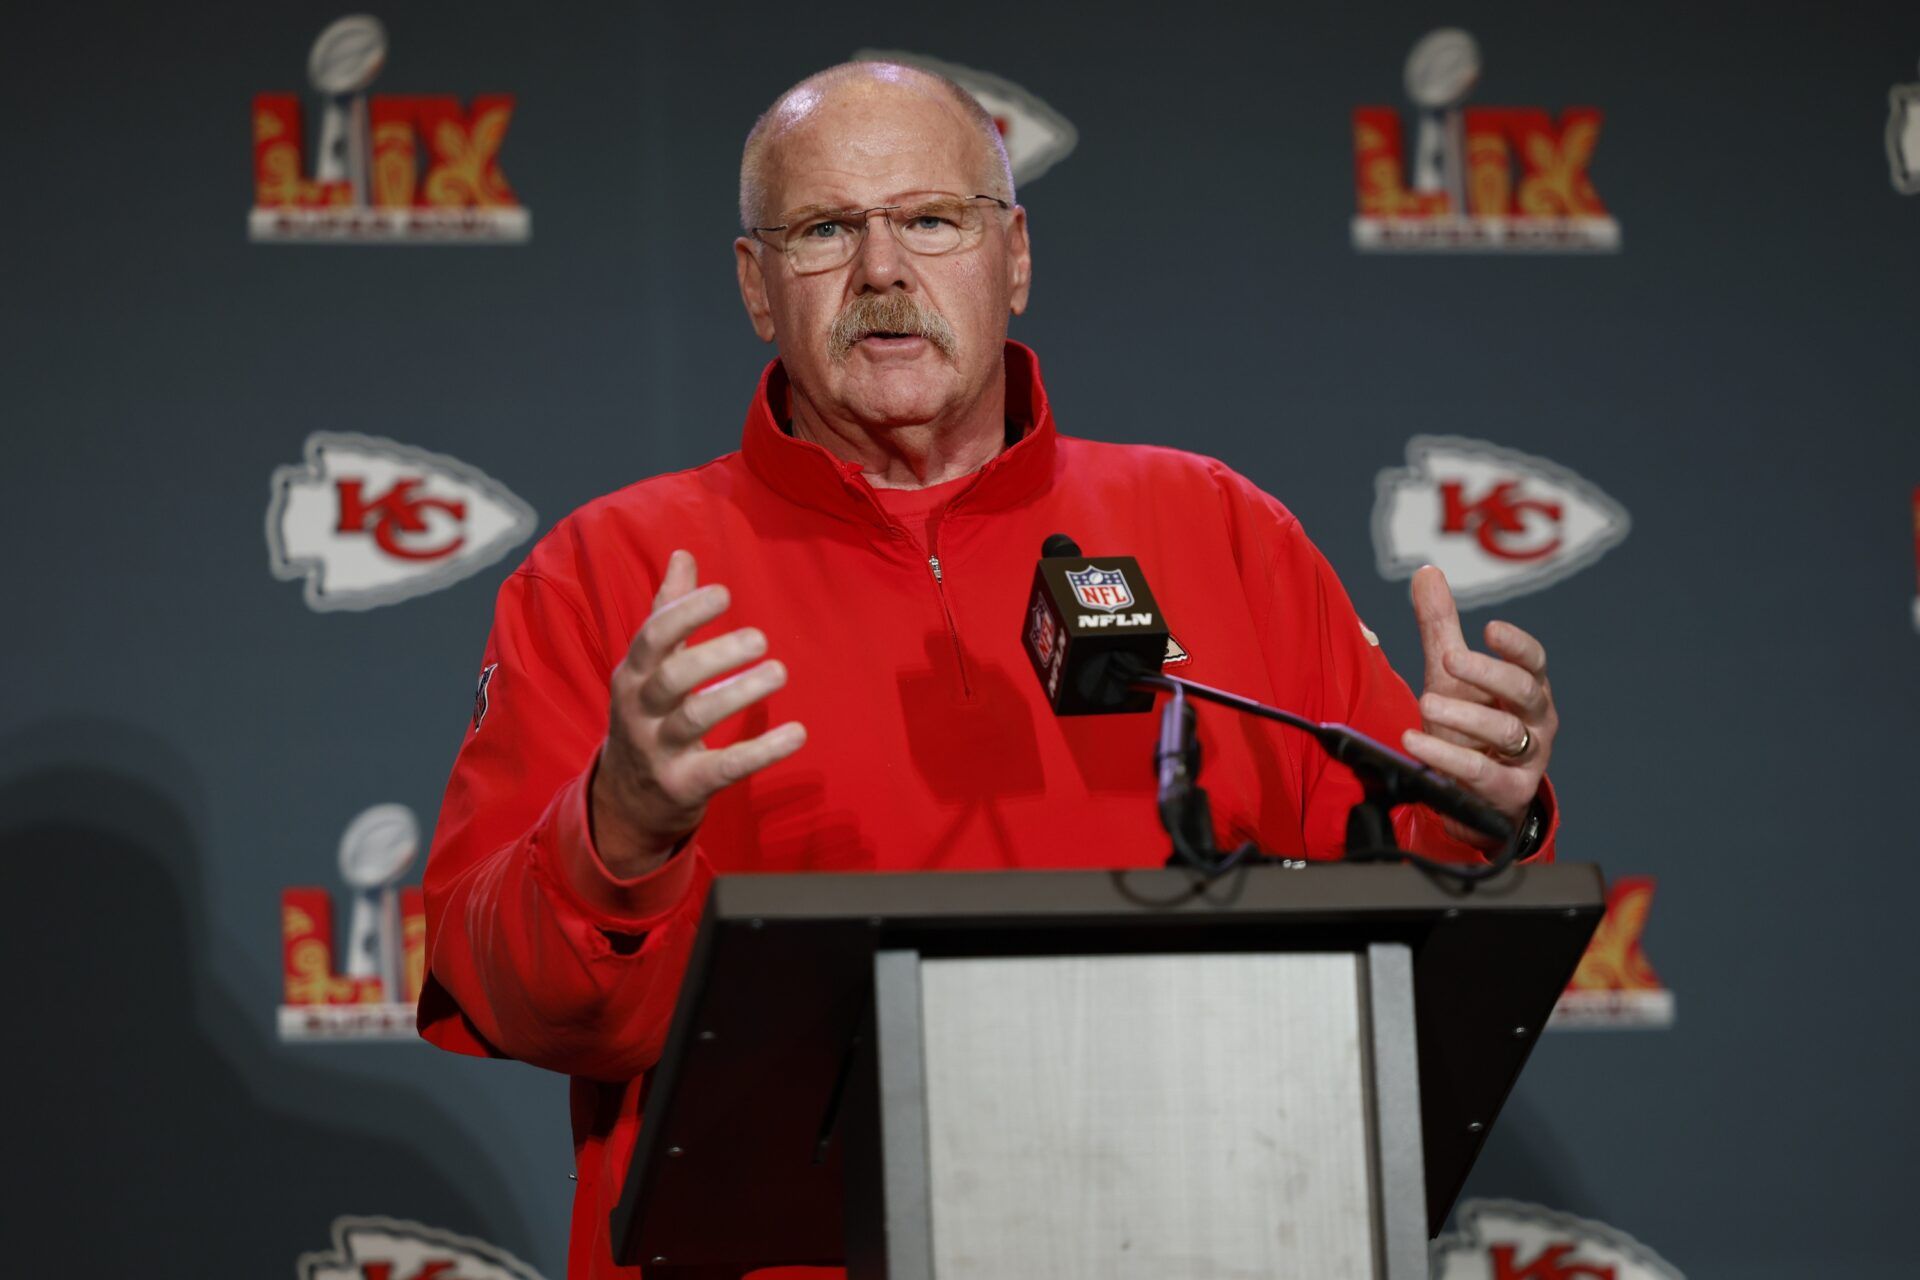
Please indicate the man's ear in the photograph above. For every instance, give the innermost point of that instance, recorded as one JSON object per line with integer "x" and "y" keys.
{"x": 1019, "y": 261}
{"x": 753, "y": 286}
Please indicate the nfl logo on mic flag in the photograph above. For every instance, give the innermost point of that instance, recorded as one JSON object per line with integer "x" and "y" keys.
{"x": 1101, "y": 588}
{"x": 1093, "y": 608}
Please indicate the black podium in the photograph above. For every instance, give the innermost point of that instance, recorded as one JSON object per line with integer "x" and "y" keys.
{"x": 1284, "y": 1071}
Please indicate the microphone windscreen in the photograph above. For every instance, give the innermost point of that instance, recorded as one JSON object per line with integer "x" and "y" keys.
{"x": 1057, "y": 545}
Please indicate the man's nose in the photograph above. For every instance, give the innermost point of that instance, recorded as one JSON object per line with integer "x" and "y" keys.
{"x": 880, "y": 263}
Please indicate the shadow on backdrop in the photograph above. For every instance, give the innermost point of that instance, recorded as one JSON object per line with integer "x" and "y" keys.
{"x": 150, "y": 1126}
{"x": 1524, "y": 1160}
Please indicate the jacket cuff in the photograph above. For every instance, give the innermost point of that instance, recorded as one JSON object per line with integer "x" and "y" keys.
{"x": 1549, "y": 827}
{"x": 623, "y": 905}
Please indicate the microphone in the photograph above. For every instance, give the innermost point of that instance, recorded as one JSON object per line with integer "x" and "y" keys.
{"x": 1092, "y": 629}
{"x": 1097, "y": 641}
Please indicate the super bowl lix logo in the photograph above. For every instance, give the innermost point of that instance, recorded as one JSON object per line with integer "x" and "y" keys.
{"x": 1615, "y": 987}
{"x": 1036, "y": 136}
{"x": 395, "y": 1249}
{"x": 1509, "y": 1240}
{"x": 388, "y": 167}
{"x": 1482, "y": 179}
{"x": 373, "y": 995}
{"x": 365, "y": 521}
{"x": 1499, "y": 522}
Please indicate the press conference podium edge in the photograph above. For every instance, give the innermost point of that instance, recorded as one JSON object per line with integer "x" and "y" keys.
{"x": 762, "y": 1142}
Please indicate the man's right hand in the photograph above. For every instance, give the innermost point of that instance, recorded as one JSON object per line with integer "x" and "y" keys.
{"x": 655, "y": 775}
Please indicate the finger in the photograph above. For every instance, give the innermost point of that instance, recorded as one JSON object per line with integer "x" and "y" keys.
{"x": 1473, "y": 724}
{"x": 673, "y": 622}
{"x": 707, "y": 708}
{"x": 682, "y": 576}
{"x": 710, "y": 771}
{"x": 1517, "y": 647}
{"x": 686, "y": 669}
{"x": 1437, "y": 616}
{"x": 1507, "y": 788}
{"x": 1504, "y": 680}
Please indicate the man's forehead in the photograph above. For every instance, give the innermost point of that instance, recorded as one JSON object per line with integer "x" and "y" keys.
{"x": 869, "y": 141}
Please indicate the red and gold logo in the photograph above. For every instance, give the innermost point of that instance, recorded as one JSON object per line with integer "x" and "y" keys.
{"x": 1615, "y": 985}
{"x": 369, "y": 991}
{"x": 387, "y": 167}
{"x": 1481, "y": 179}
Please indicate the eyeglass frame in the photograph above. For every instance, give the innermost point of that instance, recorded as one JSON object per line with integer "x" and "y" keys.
{"x": 865, "y": 216}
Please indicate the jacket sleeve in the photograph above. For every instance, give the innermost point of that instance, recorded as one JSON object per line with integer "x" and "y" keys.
{"x": 534, "y": 950}
{"x": 1328, "y": 664}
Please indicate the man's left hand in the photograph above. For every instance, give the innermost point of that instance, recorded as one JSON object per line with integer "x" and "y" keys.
{"x": 1488, "y": 722}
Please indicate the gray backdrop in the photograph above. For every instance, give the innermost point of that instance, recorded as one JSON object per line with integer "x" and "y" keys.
{"x": 183, "y": 738}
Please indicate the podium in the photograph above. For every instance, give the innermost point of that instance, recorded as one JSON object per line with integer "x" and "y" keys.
{"x": 1285, "y": 1071}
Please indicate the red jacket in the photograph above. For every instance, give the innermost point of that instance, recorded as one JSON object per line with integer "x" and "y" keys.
{"x": 929, "y": 744}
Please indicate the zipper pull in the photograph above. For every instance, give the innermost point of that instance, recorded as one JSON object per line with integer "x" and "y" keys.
{"x": 935, "y": 562}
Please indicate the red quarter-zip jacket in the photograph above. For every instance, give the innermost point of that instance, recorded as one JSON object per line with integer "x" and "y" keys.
{"x": 929, "y": 744}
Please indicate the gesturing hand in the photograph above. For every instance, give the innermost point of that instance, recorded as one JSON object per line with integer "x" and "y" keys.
{"x": 656, "y": 776}
{"x": 1488, "y": 723}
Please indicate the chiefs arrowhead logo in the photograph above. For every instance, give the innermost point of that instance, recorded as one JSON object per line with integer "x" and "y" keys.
{"x": 367, "y": 522}
{"x": 1508, "y": 1240}
{"x": 1037, "y": 136}
{"x": 1903, "y": 138}
{"x": 392, "y": 1249}
{"x": 1500, "y": 523}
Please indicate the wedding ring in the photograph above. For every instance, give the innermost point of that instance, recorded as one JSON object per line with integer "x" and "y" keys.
{"x": 1526, "y": 740}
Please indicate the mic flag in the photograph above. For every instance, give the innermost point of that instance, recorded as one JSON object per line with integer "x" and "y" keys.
{"x": 1091, "y": 626}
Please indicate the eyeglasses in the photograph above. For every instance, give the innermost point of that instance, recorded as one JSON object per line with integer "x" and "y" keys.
{"x": 928, "y": 227}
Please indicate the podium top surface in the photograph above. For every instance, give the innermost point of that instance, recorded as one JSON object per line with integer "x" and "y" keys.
{"x": 970, "y": 899}
{"x": 744, "y": 1108}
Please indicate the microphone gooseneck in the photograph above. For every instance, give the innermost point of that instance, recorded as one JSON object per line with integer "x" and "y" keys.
{"x": 1097, "y": 640}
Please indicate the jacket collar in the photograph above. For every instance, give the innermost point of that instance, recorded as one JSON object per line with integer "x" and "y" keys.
{"x": 805, "y": 473}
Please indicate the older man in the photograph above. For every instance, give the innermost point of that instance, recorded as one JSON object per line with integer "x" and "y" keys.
{"x": 871, "y": 708}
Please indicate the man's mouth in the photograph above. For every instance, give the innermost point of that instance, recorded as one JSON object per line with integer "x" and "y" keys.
{"x": 893, "y": 326}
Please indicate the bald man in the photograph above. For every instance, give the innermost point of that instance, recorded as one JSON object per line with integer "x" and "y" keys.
{"x": 805, "y": 655}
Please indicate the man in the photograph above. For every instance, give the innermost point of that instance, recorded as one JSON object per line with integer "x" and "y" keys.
{"x": 870, "y": 706}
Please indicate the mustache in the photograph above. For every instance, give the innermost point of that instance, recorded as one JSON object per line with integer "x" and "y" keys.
{"x": 899, "y": 313}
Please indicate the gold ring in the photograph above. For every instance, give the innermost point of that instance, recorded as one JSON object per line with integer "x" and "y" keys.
{"x": 1526, "y": 740}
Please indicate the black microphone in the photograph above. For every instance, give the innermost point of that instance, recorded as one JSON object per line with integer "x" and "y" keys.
{"x": 1092, "y": 629}
{"x": 1097, "y": 641}
{"x": 1405, "y": 780}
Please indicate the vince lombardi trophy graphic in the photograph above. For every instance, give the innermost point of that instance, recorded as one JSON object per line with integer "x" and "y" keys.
{"x": 375, "y": 851}
{"x": 343, "y": 64}
{"x": 1441, "y": 72}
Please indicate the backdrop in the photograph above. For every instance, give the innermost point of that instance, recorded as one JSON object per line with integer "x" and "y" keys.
{"x": 1689, "y": 325}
